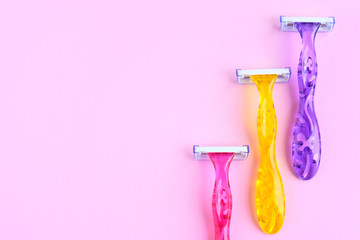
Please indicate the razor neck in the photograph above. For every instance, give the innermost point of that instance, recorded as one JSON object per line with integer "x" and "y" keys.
{"x": 307, "y": 68}
{"x": 266, "y": 118}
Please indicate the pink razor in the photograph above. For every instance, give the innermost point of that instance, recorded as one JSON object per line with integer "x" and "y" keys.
{"x": 221, "y": 157}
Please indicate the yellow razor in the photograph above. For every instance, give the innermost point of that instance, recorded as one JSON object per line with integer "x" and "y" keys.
{"x": 270, "y": 197}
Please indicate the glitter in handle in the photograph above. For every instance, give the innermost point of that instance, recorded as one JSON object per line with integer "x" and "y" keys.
{"x": 306, "y": 146}
{"x": 270, "y": 198}
{"x": 222, "y": 199}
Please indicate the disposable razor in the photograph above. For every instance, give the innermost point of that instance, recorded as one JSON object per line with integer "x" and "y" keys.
{"x": 306, "y": 143}
{"x": 221, "y": 157}
{"x": 270, "y": 198}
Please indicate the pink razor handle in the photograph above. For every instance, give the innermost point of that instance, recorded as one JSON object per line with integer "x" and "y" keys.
{"x": 222, "y": 199}
{"x": 221, "y": 157}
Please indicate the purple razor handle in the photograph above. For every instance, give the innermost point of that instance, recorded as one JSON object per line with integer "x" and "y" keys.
{"x": 306, "y": 144}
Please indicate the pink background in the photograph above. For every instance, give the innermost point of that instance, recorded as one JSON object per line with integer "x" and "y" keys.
{"x": 101, "y": 102}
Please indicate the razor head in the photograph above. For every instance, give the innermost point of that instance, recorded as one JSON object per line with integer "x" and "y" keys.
{"x": 243, "y": 76}
{"x": 287, "y": 24}
{"x": 202, "y": 153}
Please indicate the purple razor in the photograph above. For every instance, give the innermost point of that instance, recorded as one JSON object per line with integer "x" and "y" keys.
{"x": 306, "y": 145}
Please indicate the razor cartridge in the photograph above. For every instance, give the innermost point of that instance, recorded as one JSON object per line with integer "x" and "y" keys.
{"x": 243, "y": 76}
{"x": 288, "y": 24}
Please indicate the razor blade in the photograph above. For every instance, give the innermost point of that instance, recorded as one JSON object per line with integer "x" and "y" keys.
{"x": 202, "y": 153}
{"x": 244, "y": 76}
{"x": 288, "y": 24}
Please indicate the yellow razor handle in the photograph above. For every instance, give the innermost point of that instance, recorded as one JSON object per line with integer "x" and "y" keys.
{"x": 270, "y": 198}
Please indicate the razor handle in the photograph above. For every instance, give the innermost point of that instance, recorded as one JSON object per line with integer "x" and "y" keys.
{"x": 270, "y": 198}
{"x": 222, "y": 198}
{"x": 306, "y": 144}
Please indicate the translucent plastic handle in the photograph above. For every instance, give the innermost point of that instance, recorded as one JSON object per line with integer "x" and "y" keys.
{"x": 306, "y": 148}
{"x": 270, "y": 198}
{"x": 222, "y": 199}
